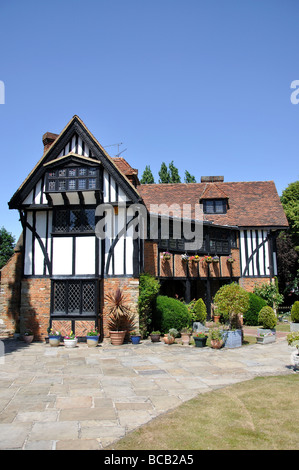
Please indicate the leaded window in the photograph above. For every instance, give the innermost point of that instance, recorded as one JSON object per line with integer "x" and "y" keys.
{"x": 74, "y": 297}
{"x": 72, "y": 179}
{"x": 74, "y": 220}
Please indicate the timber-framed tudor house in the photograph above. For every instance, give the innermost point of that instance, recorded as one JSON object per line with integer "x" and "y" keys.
{"x": 61, "y": 271}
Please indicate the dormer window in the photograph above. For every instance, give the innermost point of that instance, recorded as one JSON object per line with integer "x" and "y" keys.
{"x": 72, "y": 179}
{"x": 214, "y": 206}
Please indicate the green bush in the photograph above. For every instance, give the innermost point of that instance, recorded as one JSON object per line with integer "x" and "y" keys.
{"x": 270, "y": 293}
{"x": 148, "y": 290}
{"x": 267, "y": 317}
{"x": 170, "y": 313}
{"x": 199, "y": 311}
{"x": 295, "y": 312}
{"x": 256, "y": 303}
{"x": 231, "y": 300}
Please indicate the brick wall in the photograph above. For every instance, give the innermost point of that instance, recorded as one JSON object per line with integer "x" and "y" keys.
{"x": 35, "y": 306}
{"x": 10, "y": 291}
{"x": 249, "y": 283}
{"x": 131, "y": 288}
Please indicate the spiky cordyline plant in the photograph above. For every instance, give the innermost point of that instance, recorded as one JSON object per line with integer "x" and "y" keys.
{"x": 120, "y": 316}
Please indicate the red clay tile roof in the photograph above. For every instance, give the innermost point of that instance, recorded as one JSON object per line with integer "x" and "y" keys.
{"x": 251, "y": 204}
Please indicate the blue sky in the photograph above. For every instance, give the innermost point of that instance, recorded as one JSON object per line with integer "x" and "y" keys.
{"x": 203, "y": 83}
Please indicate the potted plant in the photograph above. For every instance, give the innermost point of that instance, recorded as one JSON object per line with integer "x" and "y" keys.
{"x": 195, "y": 259}
{"x": 165, "y": 255}
{"x": 293, "y": 340}
{"x": 199, "y": 314}
{"x": 208, "y": 259}
{"x": 155, "y": 336}
{"x": 92, "y": 339}
{"x": 28, "y": 336}
{"x": 169, "y": 338}
{"x": 135, "y": 337}
{"x": 54, "y": 338}
{"x": 215, "y": 259}
{"x": 70, "y": 341}
{"x": 121, "y": 319}
{"x": 232, "y": 301}
{"x": 230, "y": 259}
{"x": 185, "y": 258}
{"x": 216, "y": 338}
{"x": 294, "y": 325}
{"x": 185, "y": 335}
{"x": 268, "y": 320}
{"x": 200, "y": 340}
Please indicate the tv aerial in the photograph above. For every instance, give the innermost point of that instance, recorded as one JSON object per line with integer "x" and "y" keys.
{"x": 118, "y": 145}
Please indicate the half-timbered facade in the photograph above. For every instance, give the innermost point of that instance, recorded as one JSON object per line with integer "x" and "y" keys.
{"x": 66, "y": 267}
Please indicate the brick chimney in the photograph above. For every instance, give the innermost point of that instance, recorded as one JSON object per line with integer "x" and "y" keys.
{"x": 212, "y": 179}
{"x": 48, "y": 139}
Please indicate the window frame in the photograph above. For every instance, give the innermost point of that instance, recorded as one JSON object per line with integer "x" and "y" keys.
{"x": 213, "y": 203}
{"x": 55, "y": 178}
{"x": 68, "y": 210}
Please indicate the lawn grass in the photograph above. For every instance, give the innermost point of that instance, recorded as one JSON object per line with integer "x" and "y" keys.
{"x": 259, "y": 414}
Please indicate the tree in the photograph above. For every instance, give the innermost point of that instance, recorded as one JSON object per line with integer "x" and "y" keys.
{"x": 164, "y": 176}
{"x": 231, "y": 300}
{"x": 288, "y": 245}
{"x": 189, "y": 178}
{"x": 174, "y": 174}
{"x": 7, "y": 244}
{"x": 147, "y": 176}
{"x": 290, "y": 202}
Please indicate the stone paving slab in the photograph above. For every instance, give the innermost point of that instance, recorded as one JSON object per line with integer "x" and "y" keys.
{"x": 88, "y": 398}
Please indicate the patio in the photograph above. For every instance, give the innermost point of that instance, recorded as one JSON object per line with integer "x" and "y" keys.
{"x": 87, "y": 398}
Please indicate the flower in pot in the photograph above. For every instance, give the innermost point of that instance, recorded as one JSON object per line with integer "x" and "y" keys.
{"x": 293, "y": 340}
{"x": 215, "y": 259}
{"x": 155, "y": 336}
{"x": 230, "y": 259}
{"x": 195, "y": 259}
{"x": 135, "y": 336}
{"x": 169, "y": 338}
{"x": 121, "y": 319}
{"x": 28, "y": 336}
{"x": 216, "y": 337}
{"x": 54, "y": 338}
{"x": 185, "y": 335}
{"x": 208, "y": 259}
{"x": 70, "y": 341}
{"x": 200, "y": 340}
{"x": 92, "y": 338}
{"x": 185, "y": 258}
{"x": 294, "y": 325}
{"x": 165, "y": 255}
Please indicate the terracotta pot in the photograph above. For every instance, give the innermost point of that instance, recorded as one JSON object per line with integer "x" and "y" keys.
{"x": 168, "y": 339}
{"x": 185, "y": 338}
{"x": 216, "y": 318}
{"x": 117, "y": 337}
{"x": 216, "y": 343}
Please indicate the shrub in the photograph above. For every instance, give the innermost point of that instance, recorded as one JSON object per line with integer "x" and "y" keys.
{"x": 199, "y": 311}
{"x": 148, "y": 290}
{"x": 256, "y": 303}
{"x": 295, "y": 312}
{"x": 270, "y": 293}
{"x": 267, "y": 317}
{"x": 231, "y": 300}
{"x": 170, "y": 313}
